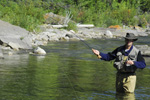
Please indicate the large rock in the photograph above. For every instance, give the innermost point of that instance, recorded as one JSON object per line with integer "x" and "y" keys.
{"x": 14, "y": 36}
{"x": 1, "y": 53}
{"x": 108, "y": 34}
{"x": 52, "y": 18}
{"x": 39, "y": 51}
{"x": 145, "y": 49}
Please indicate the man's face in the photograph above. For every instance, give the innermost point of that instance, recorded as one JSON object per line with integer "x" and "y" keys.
{"x": 128, "y": 42}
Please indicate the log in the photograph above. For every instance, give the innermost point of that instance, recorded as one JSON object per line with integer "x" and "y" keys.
{"x": 84, "y": 25}
{"x": 78, "y": 25}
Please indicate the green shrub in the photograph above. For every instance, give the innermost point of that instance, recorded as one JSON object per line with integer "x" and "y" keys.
{"x": 72, "y": 26}
{"x": 144, "y": 20}
{"x": 22, "y": 13}
{"x": 102, "y": 13}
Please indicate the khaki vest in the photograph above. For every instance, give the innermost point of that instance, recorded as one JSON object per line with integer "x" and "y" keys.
{"x": 120, "y": 64}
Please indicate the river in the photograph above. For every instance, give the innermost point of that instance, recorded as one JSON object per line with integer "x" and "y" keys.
{"x": 69, "y": 71}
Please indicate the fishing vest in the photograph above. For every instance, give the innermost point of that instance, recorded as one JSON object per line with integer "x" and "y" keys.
{"x": 120, "y": 61}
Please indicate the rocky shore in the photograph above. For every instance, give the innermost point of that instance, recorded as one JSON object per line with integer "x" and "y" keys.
{"x": 14, "y": 38}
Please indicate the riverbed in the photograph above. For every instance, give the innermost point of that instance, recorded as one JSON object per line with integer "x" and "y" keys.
{"x": 69, "y": 71}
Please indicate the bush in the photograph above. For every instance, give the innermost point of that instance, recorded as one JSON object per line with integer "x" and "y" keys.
{"x": 22, "y": 13}
{"x": 72, "y": 26}
{"x": 102, "y": 13}
{"x": 144, "y": 20}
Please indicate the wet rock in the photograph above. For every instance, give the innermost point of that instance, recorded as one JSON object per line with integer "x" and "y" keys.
{"x": 10, "y": 53}
{"x": 39, "y": 51}
{"x": 15, "y": 46}
{"x": 16, "y": 41}
{"x": 147, "y": 31}
{"x": 38, "y": 43}
{"x": 145, "y": 49}
{"x": 108, "y": 34}
{"x": 69, "y": 35}
{"x": 11, "y": 34}
{"x": 1, "y": 54}
{"x": 64, "y": 38}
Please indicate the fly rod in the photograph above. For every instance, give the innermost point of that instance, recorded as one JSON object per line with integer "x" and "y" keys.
{"x": 85, "y": 43}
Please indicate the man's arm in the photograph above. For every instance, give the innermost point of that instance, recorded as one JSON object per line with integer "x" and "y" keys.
{"x": 109, "y": 56}
{"x": 140, "y": 63}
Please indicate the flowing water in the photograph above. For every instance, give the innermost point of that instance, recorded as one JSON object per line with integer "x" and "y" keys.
{"x": 69, "y": 71}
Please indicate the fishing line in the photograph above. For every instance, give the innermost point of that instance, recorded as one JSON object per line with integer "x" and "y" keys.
{"x": 89, "y": 47}
{"x": 72, "y": 86}
{"x": 67, "y": 76}
{"x": 81, "y": 40}
{"x": 84, "y": 42}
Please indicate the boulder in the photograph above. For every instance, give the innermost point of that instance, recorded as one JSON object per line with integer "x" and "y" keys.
{"x": 39, "y": 51}
{"x": 108, "y": 34}
{"x": 147, "y": 31}
{"x": 14, "y": 36}
{"x": 145, "y": 49}
{"x": 1, "y": 54}
{"x": 15, "y": 46}
{"x": 54, "y": 19}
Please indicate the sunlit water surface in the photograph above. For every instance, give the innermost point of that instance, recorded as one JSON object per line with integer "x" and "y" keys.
{"x": 69, "y": 71}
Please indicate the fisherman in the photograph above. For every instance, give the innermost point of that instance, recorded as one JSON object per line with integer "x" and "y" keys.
{"x": 127, "y": 59}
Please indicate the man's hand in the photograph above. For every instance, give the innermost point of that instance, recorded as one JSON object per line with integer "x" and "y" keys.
{"x": 96, "y": 52}
{"x": 130, "y": 62}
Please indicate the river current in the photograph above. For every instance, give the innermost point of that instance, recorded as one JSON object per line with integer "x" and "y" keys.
{"x": 69, "y": 71}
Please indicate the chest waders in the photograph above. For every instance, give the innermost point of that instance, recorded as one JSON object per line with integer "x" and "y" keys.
{"x": 125, "y": 77}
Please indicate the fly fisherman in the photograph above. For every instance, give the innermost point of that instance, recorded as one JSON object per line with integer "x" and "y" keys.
{"x": 127, "y": 59}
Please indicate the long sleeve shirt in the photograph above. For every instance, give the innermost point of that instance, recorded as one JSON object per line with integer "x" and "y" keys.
{"x": 140, "y": 63}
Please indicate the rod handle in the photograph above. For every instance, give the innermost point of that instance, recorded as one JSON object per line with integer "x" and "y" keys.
{"x": 99, "y": 57}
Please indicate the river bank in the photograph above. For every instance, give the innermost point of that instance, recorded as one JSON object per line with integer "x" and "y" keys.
{"x": 14, "y": 38}
{"x": 55, "y": 34}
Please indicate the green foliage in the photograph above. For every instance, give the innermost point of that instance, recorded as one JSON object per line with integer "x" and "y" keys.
{"x": 144, "y": 19}
{"x": 22, "y": 13}
{"x": 72, "y": 26}
{"x": 103, "y": 13}
{"x": 123, "y": 13}
{"x": 145, "y": 5}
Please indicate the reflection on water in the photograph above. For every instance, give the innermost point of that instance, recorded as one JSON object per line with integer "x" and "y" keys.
{"x": 69, "y": 71}
{"x": 127, "y": 96}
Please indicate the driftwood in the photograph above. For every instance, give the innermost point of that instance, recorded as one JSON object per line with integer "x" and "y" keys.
{"x": 78, "y": 25}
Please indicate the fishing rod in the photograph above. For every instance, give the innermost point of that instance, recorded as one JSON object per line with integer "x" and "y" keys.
{"x": 84, "y": 42}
